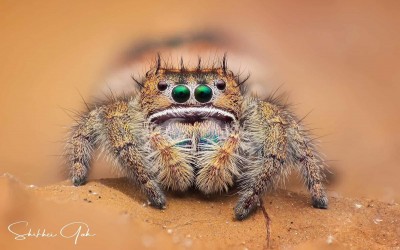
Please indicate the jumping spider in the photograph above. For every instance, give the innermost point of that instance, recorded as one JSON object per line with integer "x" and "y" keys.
{"x": 197, "y": 127}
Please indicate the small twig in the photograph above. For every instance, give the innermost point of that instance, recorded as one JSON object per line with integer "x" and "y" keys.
{"x": 267, "y": 222}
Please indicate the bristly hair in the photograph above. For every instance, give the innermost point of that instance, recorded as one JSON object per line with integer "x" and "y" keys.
{"x": 139, "y": 83}
{"x": 161, "y": 64}
{"x": 279, "y": 98}
{"x": 158, "y": 65}
{"x": 182, "y": 65}
{"x": 198, "y": 64}
{"x": 216, "y": 64}
{"x": 242, "y": 81}
{"x": 224, "y": 63}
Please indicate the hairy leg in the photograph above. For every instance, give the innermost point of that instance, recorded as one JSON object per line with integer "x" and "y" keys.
{"x": 304, "y": 155}
{"x": 126, "y": 137}
{"x": 79, "y": 147}
{"x": 265, "y": 172}
{"x": 276, "y": 141}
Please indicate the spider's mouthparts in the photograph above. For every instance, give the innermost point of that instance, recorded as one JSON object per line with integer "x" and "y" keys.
{"x": 192, "y": 114}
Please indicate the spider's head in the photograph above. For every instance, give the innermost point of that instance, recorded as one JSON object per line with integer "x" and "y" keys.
{"x": 187, "y": 100}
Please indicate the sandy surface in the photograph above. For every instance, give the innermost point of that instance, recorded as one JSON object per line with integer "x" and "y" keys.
{"x": 119, "y": 216}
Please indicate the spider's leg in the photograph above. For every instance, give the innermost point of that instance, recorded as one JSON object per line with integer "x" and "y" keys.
{"x": 80, "y": 144}
{"x": 276, "y": 142}
{"x": 304, "y": 155}
{"x": 265, "y": 171}
{"x": 126, "y": 136}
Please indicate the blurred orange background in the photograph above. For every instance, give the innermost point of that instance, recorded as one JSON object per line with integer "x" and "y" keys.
{"x": 337, "y": 58}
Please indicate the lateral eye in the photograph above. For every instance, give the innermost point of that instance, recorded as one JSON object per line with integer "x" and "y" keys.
{"x": 162, "y": 85}
{"x": 220, "y": 84}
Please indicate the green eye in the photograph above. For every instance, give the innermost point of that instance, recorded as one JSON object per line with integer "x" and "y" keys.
{"x": 203, "y": 93}
{"x": 181, "y": 93}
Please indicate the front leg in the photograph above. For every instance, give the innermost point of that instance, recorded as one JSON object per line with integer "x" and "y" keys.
{"x": 125, "y": 134}
{"x": 276, "y": 142}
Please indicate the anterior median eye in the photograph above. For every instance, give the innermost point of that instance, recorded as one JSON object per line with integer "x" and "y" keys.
{"x": 203, "y": 93}
{"x": 181, "y": 93}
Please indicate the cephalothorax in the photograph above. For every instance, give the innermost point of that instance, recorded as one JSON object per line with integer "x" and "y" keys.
{"x": 197, "y": 127}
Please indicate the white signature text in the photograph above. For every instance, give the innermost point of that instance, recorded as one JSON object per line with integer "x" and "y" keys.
{"x": 73, "y": 230}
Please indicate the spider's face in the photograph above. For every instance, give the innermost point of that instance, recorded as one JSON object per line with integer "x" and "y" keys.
{"x": 191, "y": 100}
